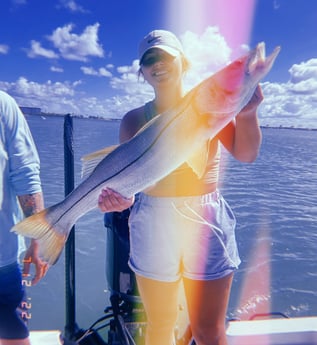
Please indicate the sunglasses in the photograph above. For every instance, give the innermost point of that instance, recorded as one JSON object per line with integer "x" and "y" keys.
{"x": 151, "y": 59}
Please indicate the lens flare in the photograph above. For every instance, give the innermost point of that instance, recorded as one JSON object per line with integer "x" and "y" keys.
{"x": 233, "y": 18}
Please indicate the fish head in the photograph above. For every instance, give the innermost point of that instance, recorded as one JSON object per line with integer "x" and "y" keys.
{"x": 226, "y": 92}
{"x": 248, "y": 69}
{"x": 258, "y": 65}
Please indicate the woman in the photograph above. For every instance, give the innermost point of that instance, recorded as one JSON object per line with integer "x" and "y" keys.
{"x": 182, "y": 227}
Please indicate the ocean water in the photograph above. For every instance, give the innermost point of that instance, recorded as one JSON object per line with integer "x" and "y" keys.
{"x": 274, "y": 200}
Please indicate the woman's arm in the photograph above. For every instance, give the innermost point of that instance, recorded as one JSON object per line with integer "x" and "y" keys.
{"x": 242, "y": 137}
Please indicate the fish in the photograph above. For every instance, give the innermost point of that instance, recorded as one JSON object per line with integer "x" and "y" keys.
{"x": 176, "y": 136}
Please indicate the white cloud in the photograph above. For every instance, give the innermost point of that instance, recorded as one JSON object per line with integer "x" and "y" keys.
{"x": 57, "y": 69}
{"x": 50, "y": 97}
{"x": 4, "y": 49}
{"x": 72, "y": 5}
{"x": 128, "y": 80}
{"x": 101, "y": 72}
{"x": 308, "y": 86}
{"x": 104, "y": 72}
{"x": 72, "y": 46}
{"x": 88, "y": 70}
{"x": 37, "y": 50}
{"x": 69, "y": 45}
{"x": 304, "y": 71}
{"x": 206, "y": 54}
{"x": 293, "y": 103}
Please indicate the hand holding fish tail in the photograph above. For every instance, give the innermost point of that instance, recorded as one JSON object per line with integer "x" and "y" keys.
{"x": 32, "y": 257}
{"x": 111, "y": 201}
{"x": 50, "y": 238}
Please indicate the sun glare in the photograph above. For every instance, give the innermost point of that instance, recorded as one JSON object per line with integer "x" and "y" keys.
{"x": 234, "y": 21}
{"x": 233, "y": 18}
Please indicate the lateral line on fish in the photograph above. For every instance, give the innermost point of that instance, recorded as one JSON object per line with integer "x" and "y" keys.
{"x": 175, "y": 117}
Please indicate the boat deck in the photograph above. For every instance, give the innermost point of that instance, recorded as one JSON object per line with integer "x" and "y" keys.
{"x": 45, "y": 337}
{"x": 293, "y": 331}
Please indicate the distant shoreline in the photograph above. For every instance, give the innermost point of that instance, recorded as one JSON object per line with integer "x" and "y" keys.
{"x": 291, "y": 127}
{"x": 41, "y": 114}
{"x": 92, "y": 117}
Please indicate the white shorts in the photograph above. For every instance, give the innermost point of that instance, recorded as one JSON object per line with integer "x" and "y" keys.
{"x": 192, "y": 237}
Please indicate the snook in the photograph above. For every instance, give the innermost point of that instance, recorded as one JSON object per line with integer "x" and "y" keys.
{"x": 167, "y": 141}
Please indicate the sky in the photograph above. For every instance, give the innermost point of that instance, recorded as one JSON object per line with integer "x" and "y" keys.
{"x": 80, "y": 56}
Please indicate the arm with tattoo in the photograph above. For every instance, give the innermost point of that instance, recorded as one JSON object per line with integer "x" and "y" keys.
{"x": 31, "y": 204}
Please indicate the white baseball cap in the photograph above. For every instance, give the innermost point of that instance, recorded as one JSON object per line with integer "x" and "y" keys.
{"x": 162, "y": 39}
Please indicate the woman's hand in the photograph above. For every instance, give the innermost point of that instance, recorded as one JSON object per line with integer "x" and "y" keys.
{"x": 111, "y": 201}
{"x": 252, "y": 105}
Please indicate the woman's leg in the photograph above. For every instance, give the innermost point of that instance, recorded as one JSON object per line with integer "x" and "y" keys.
{"x": 207, "y": 303}
{"x": 160, "y": 300}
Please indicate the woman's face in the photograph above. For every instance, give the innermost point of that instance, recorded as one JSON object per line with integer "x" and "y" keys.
{"x": 161, "y": 69}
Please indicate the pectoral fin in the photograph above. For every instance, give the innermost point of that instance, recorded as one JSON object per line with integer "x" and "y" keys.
{"x": 90, "y": 161}
{"x": 198, "y": 161}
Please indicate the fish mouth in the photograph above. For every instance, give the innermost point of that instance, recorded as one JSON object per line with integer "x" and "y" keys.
{"x": 259, "y": 59}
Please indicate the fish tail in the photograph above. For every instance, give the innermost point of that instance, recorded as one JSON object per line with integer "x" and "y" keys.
{"x": 51, "y": 241}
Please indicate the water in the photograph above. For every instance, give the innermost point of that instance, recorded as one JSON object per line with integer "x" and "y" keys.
{"x": 274, "y": 200}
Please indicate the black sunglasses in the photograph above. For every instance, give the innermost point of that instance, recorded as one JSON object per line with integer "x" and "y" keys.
{"x": 152, "y": 58}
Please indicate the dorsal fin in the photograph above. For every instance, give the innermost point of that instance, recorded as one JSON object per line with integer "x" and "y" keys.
{"x": 91, "y": 160}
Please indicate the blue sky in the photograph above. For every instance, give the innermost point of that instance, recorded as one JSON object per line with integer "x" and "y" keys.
{"x": 80, "y": 56}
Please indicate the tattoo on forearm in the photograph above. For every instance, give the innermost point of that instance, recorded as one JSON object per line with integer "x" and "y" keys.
{"x": 31, "y": 203}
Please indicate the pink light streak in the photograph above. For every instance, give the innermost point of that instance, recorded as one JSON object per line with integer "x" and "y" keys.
{"x": 234, "y": 18}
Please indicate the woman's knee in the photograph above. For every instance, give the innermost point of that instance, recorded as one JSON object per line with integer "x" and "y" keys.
{"x": 210, "y": 335}
{"x": 160, "y": 326}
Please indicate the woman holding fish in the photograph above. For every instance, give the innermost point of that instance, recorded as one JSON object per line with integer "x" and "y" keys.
{"x": 181, "y": 227}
